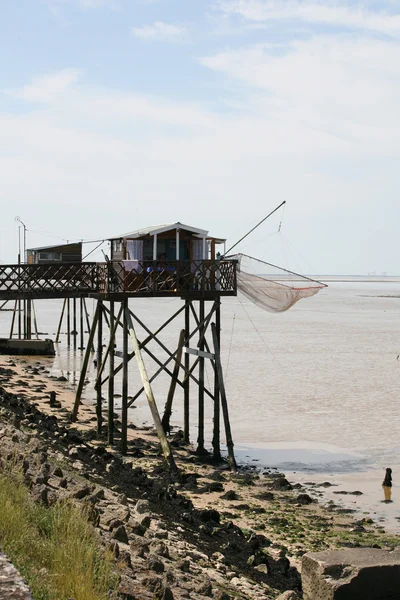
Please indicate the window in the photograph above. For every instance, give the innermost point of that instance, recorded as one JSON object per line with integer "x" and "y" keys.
{"x": 50, "y": 256}
{"x": 117, "y": 246}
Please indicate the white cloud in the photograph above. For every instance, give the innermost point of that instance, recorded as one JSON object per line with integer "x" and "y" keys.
{"x": 47, "y": 88}
{"x": 311, "y": 115}
{"x": 159, "y": 31}
{"x": 348, "y": 88}
{"x": 344, "y": 14}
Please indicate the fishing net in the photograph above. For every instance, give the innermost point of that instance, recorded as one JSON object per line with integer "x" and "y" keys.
{"x": 270, "y": 287}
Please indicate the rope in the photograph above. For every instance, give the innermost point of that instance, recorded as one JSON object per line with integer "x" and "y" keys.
{"x": 264, "y": 342}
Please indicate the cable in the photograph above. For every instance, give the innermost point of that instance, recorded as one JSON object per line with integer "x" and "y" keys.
{"x": 230, "y": 348}
{"x": 94, "y": 249}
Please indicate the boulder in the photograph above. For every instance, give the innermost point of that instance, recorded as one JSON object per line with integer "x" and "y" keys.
{"x": 351, "y": 574}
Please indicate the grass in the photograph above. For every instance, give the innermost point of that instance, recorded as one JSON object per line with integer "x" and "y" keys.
{"x": 55, "y": 549}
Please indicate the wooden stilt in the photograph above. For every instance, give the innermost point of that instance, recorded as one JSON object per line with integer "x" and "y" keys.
{"x": 186, "y": 401}
{"x": 60, "y": 321}
{"x": 81, "y": 332}
{"x": 35, "y": 320}
{"x": 124, "y": 411}
{"x": 224, "y": 403}
{"x": 68, "y": 322}
{"x": 28, "y": 329}
{"x": 87, "y": 320}
{"x": 19, "y": 319}
{"x": 150, "y": 397}
{"x": 200, "y": 437}
{"x": 168, "y": 405}
{"x": 74, "y": 330}
{"x": 99, "y": 361}
{"x": 85, "y": 366}
{"x": 216, "y": 429}
{"x": 13, "y": 319}
{"x": 111, "y": 377}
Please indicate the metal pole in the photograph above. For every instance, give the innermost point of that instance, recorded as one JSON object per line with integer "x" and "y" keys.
{"x": 255, "y": 227}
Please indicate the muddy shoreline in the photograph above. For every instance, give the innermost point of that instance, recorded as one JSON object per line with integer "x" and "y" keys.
{"x": 205, "y": 533}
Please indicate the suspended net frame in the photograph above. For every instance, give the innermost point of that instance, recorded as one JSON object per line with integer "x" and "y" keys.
{"x": 270, "y": 287}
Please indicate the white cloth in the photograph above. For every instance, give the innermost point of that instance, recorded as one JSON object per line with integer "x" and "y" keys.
{"x": 132, "y": 265}
{"x": 134, "y": 249}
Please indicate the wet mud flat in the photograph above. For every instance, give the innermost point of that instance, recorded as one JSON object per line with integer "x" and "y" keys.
{"x": 201, "y": 533}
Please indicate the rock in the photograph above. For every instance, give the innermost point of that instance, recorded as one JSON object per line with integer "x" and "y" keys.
{"x": 81, "y": 492}
{"x": 304, "y": 499}
{"x": 221, "y": 595}
{"x": 139, "y": 546}
{"x": 120, "y": 535}
{"x": 160, "y": 549}
{"x": 58, "y": 472}
{"x": 230, "y": 495}
{"x": 289, "y": 595}
{"x": 155, "y": 564}
{"x": 205, "y": 587}
{"x": 142, "y": 506}
{"x": 40, "y": 494}
{"x": 183, "y": 565}
{"x": 351, "y": 574}
{"x": 12, "y": 586}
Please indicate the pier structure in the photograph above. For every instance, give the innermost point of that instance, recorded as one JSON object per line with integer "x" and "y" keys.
{"x": 169, "y": 261}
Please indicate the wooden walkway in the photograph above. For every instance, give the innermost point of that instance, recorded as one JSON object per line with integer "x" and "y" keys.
{"x": 205, "y": 279}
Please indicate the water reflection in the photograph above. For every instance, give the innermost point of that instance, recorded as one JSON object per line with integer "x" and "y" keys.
{"x": 388, "y": 494}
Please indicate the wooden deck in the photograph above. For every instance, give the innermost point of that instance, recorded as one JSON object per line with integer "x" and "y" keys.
{"x": 132, "y": 278}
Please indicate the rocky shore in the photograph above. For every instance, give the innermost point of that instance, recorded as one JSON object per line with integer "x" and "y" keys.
{"x": 204, "y": 533}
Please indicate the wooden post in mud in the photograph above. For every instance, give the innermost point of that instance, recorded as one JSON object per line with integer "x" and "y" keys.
{"x": 150, "y": 397}
{"x": 99, "y": 361}
{"x": 200, "y": 438}
{"x": 224, "y": 403}
{"x": 60, "y": 321}
{"x": 13, "y": 320}
{"x": 19, "y": 319}
{"x": 81, "y": 332}
{"x": 28, "y": 319}
{"x": 74, "y": 330}
{"x": 85, "y": 366}
{"x": 186, "y": 403}
{"x": 125, "y": 360}
{"x": 111, "y": 377}
{"x": 68, "y": 322}
{"x": 216, "y": 429}
{"x": 35, "y": 320}
{"x": 87, "y": 321}
{"x": 168, "y": 405}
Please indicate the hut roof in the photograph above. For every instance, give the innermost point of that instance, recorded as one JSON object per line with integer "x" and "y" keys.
{"x": 161, "y": 229}
{"x": 54, "y": 246}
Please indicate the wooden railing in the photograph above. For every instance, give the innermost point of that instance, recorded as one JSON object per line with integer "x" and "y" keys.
{"x": 179, "y": 277}
{"x": 51, "y": 278}
{"x": 144, "y": 278}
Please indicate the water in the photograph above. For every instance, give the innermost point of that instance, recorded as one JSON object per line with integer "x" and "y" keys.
{"x": 313, "y": 390}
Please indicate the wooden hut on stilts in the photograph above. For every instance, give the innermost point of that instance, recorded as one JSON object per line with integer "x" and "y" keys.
{"x": 173, "y": 260}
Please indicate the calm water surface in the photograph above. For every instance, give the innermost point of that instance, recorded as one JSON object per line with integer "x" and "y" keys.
{"x": 314, "y": 390}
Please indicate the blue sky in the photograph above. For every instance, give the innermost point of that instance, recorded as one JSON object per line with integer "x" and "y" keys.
{"x": 116, "y": 114}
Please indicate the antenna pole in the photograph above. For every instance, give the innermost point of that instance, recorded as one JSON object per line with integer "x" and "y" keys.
{"x": 255, "y": 227}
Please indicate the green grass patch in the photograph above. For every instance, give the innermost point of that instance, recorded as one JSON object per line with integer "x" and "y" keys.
{"x": 55, "y": 549}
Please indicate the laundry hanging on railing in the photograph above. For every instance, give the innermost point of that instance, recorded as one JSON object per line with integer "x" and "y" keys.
{"x": 270, "y": 287}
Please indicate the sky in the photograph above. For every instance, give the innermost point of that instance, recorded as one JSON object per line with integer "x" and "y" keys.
{"x": 119, "y": 114}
